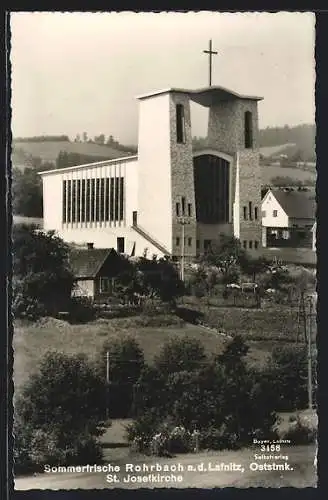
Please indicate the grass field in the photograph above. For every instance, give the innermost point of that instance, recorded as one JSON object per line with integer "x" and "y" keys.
{"x": 49, "y": 151}
{"x": 262, "y": 328}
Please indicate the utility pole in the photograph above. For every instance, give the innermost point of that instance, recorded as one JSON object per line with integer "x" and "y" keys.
{"x": 309, "y": 355}
{"x": 183, "y": 221}
{"x": 107, "y": 385}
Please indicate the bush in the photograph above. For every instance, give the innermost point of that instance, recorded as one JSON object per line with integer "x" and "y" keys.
{"x": 158, "y": 320}
{"x": 141, "y": 431}
{"x": 81, "y": 310}
{"x": 66, "y": 395}
{"x": 126, "y": 362}
{"x": 287, "y": 375}
{"x": 299, "y": 433}
{"x": 26, "y": 307}
{"x": 41, "y": 272}
{"x": 180, "y": 354}
{"x": 35, "y": 447}
{"x": 214, "y": 438}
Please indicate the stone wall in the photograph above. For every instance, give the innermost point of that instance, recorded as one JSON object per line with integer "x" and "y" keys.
{"x": 182, "y": 176}
{"x": 226, "y": 133}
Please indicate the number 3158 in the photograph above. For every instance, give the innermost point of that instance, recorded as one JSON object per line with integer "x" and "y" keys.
{"x": 270, "y": 447}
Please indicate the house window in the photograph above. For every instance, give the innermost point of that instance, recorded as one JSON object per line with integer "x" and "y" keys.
{"x": 120, "y": 245}
{"x": 104, "y": 285}
{"x": 250, "y": 210}
{"x": 135, "y": 218}
{"x": 255, "y": 213}
{"x": 177, "y": 209}
{"x": 183, "y": 203}
{"x": 189, "y": 209}
{"x": 245, "y": 213}
{"x": 245, "y": 244}
{"x": 180, "y": 123}
{"x": 250, "y": 244}
{"x": 256, "y": 245}
{"x": 177, "y": 241}
{"x": 248, "y": 130}
{"x": 189, "y": 242}
{"x": 197, "y": 244}
{"x": 275, "y": 213}
{"x": 207, "y": 244}
{"x": 263, "y": 213}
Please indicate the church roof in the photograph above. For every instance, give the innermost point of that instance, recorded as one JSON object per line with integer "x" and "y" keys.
{"x": 87, "y": 262}
{"x": 205, "y": 96}
{"x": 296, "y": 204}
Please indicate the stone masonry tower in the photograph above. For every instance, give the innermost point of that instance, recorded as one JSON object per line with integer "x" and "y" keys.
{"x": 233, "y": 129}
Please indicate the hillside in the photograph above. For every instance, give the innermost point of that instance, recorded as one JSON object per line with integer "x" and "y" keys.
{"x": 301, "y": 137}
{"x": 48, "y": 151}
{"x": 271, "y": 171}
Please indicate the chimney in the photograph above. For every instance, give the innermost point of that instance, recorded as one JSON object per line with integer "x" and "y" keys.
{"x": 90, "y": 246}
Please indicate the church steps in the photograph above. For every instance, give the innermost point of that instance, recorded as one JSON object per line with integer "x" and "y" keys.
{"x": 150, "y": 239}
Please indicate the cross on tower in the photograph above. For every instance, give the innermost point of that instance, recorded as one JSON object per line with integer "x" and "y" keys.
{"x": 210, "y": 52}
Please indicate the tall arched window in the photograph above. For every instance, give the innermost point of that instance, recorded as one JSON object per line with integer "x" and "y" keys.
{"x": 248, "y": 130}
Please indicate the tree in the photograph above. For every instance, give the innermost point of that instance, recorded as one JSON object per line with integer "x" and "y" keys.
{"x": 253, "y": 267}
{"x": 100, "y": 139}
{"x": 227, "y": 255}
{"x": 180, "y": 354}
{"x": 41, "y": 270}
{"x": 287, "y": 371}
{"x": 85, "y": 137}
{"x": 126, "y": 362}
{"x": 27, "y": 193}
{"x": 60, "y": 411}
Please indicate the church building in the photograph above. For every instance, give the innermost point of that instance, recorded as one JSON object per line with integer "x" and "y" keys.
{"x": 167, "y": 200}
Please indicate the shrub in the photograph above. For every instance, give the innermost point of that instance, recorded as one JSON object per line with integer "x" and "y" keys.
{"x": 300, "y": 433}
{"x": 35, "y": 447}
{"x": 41, "y": 268}
{"x": 66, "y": 395}
{"x": 180, "y": 354}
{"x": 26, "y": 307}
{"x": 141, "y": 431}
{"x": 81, "y": 310}
{"x": 126, "y": 362}
{"x": 214, "y": 438}
{"x": 287, "y": 376}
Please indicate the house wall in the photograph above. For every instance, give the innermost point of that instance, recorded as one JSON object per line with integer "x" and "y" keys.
{"x": 269, "y": 204}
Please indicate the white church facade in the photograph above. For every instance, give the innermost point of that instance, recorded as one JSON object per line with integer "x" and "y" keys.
{"x": 167, "y": 200}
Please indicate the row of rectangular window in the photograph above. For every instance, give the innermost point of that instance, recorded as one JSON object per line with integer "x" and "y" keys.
{"x": 249, "y": 216}
{"x": 250, "y": 244}
{"x": 93, "y": 200}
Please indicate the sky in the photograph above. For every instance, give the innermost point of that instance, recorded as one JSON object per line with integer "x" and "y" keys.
{"x": 76, "y": 72}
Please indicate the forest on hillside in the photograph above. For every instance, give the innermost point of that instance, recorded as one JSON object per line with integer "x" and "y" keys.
{"x": 303, "y": 136}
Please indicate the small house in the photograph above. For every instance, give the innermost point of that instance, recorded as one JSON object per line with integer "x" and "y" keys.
{"x": 94, "y": 270}
{"x": 288, "y": 217}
